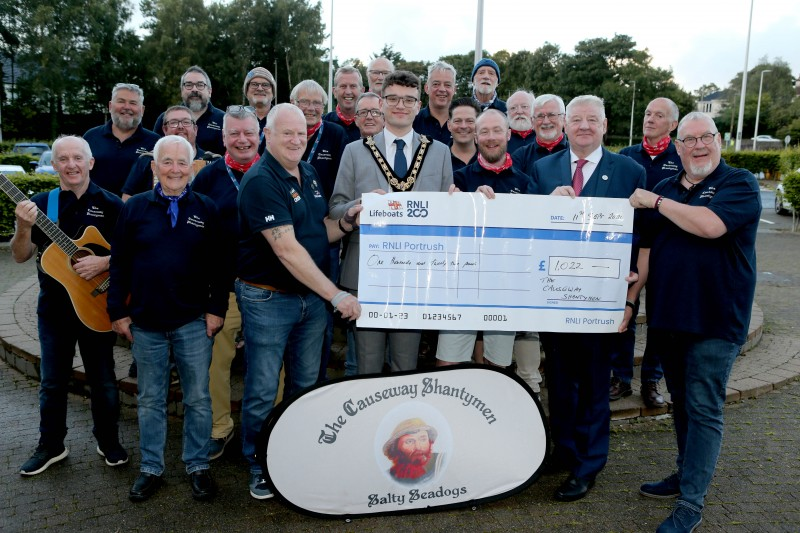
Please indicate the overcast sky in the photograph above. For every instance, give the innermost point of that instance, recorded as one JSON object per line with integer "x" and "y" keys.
{"x": 701, "y": 41}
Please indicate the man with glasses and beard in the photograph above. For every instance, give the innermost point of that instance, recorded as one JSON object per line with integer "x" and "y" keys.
{"x": 179, "y": 122}
{"x": 196, "y": 95}
{"x": 119, "y": 142}
{"x": 709, "y": 212}
{"x": 259, "y": 91}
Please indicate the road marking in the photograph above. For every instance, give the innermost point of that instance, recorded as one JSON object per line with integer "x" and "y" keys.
{"x": 767, "y": 221}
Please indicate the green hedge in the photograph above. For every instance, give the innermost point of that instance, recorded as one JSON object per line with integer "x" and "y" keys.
{"x": 24, "y": 160}
{"x": 791, "y": 188}
{"x": 29, "y": 185}
{"x": 767, "y": 162}
{"x": 790, "y": 160}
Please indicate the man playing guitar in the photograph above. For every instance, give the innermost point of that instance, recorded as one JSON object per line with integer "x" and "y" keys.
{"x": 77, "y": 205}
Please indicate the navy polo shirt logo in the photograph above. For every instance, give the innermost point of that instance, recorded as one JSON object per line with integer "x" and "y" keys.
{"x": 142, "y": 150}
{"x": 213, "y": 126}
{"x": 95, "y": 211}
{"x": 295, "y": 195}
{"x": 315, "y": 186}
{"x": 196, "y": 221}
{"x": 670, "y": 165}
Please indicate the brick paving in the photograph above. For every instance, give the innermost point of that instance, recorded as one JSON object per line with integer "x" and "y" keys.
{"x": 756, "y": 487}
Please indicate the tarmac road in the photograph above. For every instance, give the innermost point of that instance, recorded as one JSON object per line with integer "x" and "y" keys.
{"x": 756, "y": 487}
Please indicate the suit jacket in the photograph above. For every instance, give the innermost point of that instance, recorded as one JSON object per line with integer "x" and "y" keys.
{"x": 616, "y": 176}
{"x": 359, "y": 174}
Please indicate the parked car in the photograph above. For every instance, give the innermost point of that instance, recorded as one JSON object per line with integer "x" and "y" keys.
{"x": 782, "y": 205}
{"x": 11, "y": 169}
{"x": 45, "y": 164}
{"x": 766, "y": 138}
{"x": 36, "y": 149}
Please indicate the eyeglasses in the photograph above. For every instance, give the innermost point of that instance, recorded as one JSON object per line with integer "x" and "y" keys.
{"x": 186, "y": 123}
{"x": 364, "y": 113}
{"x": 552, "y": 116}
{"x": 304, "y": 102}
{"x": 189, "y": 85}
{"x": 259, "y": 85}
{"x": 240, "y": 109}
{"x": 379, "y": 72}
{"x": 690, "y": 142}
{"x": 521, "y": 107}
{"x": 393, "y": 100}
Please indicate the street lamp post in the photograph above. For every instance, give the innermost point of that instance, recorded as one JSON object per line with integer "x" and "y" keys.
{"x": 738, "y": 145}
{"x": 633, "y": 106}
{"x": 758, "y": 109}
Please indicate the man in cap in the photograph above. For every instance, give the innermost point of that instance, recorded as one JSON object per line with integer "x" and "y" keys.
{"x": 485, "y": 79}
{"x": 259, "y": 91}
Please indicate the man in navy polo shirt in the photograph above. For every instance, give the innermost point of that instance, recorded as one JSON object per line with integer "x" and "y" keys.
{"x": 463, "y": 116}
{"x": 283, "y": 284}
{"x": 698, "y": 260}
{"x": 657, "y": 154}
{"x": 548, "y": 125}
{"x": 196, "y": 95}
{"x": 347, "y": 87}
{"x": 118, "y": 144}
{"x": 440, "y": 88}
{"x": 485, "y": 79}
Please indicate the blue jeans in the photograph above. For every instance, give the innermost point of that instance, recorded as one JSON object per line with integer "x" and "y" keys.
{"x": 191, "y": 348}
{"x": 697, "y": 373}
{"x": 276, "y": 323}
{"x": 57, "y": 338}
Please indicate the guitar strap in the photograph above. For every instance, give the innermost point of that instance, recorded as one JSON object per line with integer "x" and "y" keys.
{"x": 52, "y": 205}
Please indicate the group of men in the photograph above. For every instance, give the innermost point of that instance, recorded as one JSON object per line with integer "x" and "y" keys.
{"x": 278, "y": 202}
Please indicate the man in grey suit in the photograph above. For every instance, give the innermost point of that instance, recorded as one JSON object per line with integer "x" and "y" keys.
{"x": 579, "y": 364}
{"x": 395, "y": 160}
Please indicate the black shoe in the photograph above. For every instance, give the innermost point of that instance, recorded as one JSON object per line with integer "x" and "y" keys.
{"x": 144, "y": 487}
{"x": 573, "y": 489}
{"x": 133, "y": 371}
{"x": 650, "y": 395}
{"x": 42, "y": 458}
{"x": 203, "y": 487}
{"x": 618, "y": 389}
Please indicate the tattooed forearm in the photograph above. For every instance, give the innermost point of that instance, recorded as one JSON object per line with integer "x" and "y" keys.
{"x": 280, "y": 231}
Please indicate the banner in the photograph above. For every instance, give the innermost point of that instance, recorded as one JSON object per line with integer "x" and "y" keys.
{"x": 513, "y": 263}
{"x": 404, "y": 443}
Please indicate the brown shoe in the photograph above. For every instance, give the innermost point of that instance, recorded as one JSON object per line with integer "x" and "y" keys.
{"x": 650, "y": 395}
{"x": 618, "y": 389}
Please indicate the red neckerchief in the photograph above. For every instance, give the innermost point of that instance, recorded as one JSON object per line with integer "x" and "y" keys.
{"x": 343, "y": 118}
{"x": 313, "y": 129}
{"x": 549, "y": 145}
{"x": 658, "y": 148}
{"x": 496, "y": 169}
{"x": 241, "y": 167}
{"x": 523, "y": 134}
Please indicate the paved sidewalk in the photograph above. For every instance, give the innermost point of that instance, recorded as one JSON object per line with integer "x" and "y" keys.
{"x": 756, "y": 487}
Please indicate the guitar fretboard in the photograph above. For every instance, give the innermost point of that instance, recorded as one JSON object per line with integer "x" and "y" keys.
{"x": 49, "y": 228}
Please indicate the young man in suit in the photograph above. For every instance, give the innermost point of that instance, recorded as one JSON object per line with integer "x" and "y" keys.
{"x": 397, "y": 147}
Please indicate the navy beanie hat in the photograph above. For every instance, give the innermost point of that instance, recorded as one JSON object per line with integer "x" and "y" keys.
{"x": 486, "y": 62}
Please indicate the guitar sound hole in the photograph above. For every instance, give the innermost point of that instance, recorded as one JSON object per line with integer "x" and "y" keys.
{"x": 82, "y": 252}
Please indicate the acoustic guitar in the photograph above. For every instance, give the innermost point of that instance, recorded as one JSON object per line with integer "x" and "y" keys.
{"x": 88, "y": 297}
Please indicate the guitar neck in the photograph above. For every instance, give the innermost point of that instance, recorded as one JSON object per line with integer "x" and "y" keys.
{"x": 53, "y": 232}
